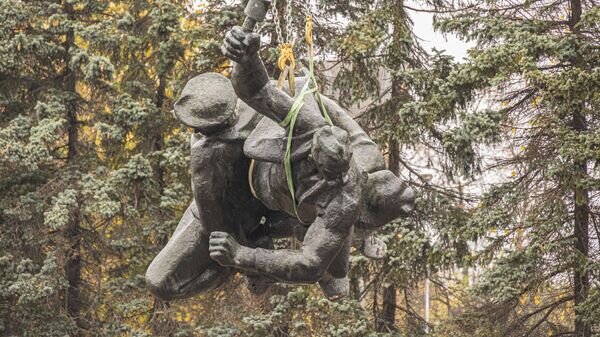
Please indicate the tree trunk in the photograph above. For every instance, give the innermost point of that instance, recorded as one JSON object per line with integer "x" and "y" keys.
{"x": 387, "y": 319}
{"x": 157, "y": 138}
{"x": 162, "y": 322}
{"x": 581, "y": 277}
{"x": 355, "y": 287}
{"x": 72, "y": 233}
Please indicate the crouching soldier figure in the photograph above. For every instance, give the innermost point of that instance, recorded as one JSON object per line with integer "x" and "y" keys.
{"x": 222, "y": 199}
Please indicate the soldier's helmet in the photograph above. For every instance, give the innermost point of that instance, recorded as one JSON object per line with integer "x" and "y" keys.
{"x": 387, "y": 198}
{"x": 207, "y": 103}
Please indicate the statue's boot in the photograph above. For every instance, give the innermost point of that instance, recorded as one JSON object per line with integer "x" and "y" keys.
{"x": 335, "y": 283}
{"x": 335, "y": 288}
{"x": 373, "y": 248}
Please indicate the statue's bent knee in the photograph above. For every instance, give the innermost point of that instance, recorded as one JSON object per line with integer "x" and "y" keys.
{"x": 168, "y": 286}
{"x": 311, "y": 271}
{"x": 159, "y": 285}
{"x": 183, "y": 268}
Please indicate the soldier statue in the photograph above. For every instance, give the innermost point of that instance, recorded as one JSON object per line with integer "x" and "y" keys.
{"x": 242, "y": 199}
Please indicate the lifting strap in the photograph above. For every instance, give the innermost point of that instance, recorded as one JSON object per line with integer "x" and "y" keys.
{"x": 310, "y": 87}
{"x": 286, "y": 63}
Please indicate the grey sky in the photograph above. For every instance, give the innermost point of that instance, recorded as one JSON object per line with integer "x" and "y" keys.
{"x": 423, "y": 28}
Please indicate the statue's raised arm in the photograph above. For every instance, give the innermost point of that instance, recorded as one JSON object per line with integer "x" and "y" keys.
{"x": 252, "y": 85}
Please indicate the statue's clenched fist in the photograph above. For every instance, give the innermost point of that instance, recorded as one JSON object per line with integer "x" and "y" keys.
{"x": 240, "y": 44}
{"x": 223, "y": 248}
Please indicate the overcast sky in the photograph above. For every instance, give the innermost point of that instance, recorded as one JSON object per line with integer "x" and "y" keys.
{"x": 423, "y": 29}
{"x": 430, "y": 39}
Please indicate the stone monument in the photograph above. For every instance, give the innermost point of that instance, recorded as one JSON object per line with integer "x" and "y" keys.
{"x": 242, "y": 198}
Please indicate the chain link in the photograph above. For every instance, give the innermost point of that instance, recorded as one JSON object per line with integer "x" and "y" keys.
{"x": 279, "y": 29}
{"x": 277, "y": 22}
{"x": 289, "y": 21}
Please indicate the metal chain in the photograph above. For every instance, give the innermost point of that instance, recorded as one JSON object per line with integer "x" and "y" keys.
{"x": 277, "y": 22}
{"x": 288, "y": 21}
{"x": 261, "y": 27}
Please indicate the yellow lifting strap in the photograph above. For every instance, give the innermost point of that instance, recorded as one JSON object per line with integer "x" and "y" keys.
{"x": 251, "y": 178}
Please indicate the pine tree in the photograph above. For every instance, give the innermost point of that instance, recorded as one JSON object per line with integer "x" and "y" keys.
{"x": 44, "y": 157}
{"x": 94, "y": 169}
{"x": 538, "y": 63}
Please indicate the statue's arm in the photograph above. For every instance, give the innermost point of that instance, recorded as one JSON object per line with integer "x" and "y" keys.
{"x": 252, "y": 85}
{"x": 322, "y": 243}
{"x": 209, "y": 178}
{"x": 366, "y": 153}
{"x": 249, "y": 76}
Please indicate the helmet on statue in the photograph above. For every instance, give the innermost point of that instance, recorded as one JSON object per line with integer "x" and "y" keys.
{"x": 207, "y": 103}
{"x": 387, "y": 198}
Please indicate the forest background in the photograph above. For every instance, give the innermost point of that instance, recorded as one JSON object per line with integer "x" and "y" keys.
{"x": 503, "y": 148}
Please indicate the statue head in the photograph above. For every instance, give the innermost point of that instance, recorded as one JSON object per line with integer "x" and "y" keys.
{"x": 387, "y": 198}
{"x": 207, "y": 103}
{"x": 331, "y": 152}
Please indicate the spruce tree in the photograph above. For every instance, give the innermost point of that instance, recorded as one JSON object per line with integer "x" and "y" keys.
{"x": 538, "y": 64}
{"x": 45, "y": 154}
{"x": 94, "y": 168}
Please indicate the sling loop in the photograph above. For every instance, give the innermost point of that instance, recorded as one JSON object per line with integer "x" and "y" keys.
{"x": 287, "y": 64}
{"x": 310, "y": 87}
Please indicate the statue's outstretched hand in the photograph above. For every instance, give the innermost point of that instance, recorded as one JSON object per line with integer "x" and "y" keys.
{"x": 239, "y": 45}
{"x": 223, "y": 248}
